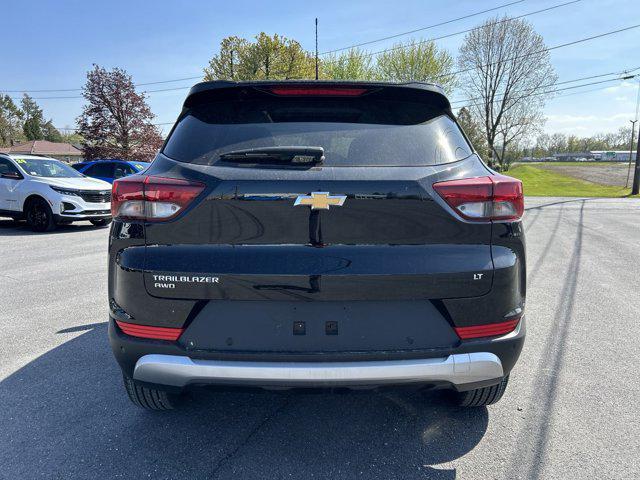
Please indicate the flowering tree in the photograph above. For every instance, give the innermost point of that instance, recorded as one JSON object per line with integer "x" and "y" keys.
{"x": 116, "y": 121}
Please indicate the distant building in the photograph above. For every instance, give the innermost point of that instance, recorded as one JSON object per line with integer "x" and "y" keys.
{"x": 574, "y": 157}
{"x": 62, "y": 151}
{"x": 613, "y": 156}
{"x": 591, "y": 156}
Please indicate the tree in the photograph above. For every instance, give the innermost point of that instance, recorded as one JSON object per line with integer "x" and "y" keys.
{"x": 72, "y": 137}
{"x": 267, "y": 58}
{"x": 116, "y": 121}
{"x": 557, "y": 143}
{"x": 34, "y": 126}
{"x": 224, "y": 65}
{"x": 547, "y": 145}
{"x": 543, "y": 145}
{"x": 50, "y": 132}
{"x": 507, "y": 71}
{"x": 623, "y": 138}
{"x": 473, "y": 131}
{"x": 33, "y": 119}
{"x": 353, "y": 64}
{"x": 280, "y": 58}
{"x": 418, "y": 61}
{"x": 11, "y": 118}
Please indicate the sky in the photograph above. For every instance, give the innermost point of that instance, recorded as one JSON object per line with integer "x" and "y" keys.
{"x": 51, "y": 45}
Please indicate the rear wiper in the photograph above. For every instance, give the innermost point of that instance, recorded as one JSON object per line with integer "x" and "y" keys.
{"x": 282, "y": 155}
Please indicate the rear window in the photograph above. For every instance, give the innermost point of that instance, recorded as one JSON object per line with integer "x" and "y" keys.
{"x": 363, "y": 131}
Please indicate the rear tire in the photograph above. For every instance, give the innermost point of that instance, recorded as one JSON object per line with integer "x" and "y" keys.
{"x": 481, "y": 397}
{"x": 103, "y": 222}
{"x": 39, "y": 216}
{"x": 149, "y": 398}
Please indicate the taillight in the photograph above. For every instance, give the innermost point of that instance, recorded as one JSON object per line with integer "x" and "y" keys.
{"x": 321, "y": 91}
{"x": 488, "y": 330}
{"x": 496, "y": 197}
{"x": 145, "y": 331}
{"x": 151, "y": 198}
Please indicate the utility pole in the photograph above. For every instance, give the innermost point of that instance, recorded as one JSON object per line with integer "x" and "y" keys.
{"x": 635, "y": 189}
{"x": 633, "y": 136}
{"x": 316, "y": 48}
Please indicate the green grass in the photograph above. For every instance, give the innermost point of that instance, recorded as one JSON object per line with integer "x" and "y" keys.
{"x": 538, "y": 182}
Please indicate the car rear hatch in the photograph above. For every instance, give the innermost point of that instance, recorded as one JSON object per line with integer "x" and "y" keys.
{"x": 358, "y": 237}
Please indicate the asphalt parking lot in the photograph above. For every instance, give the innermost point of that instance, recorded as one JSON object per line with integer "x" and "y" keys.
{"x": 570, "y": 410}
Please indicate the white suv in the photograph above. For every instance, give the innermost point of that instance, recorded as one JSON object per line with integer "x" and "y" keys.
{"x": 46, "y": 193}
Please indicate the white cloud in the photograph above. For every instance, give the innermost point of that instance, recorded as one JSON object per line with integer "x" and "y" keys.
{"x": 622, "y": 87}
{"x": 586, "y": 124}
{"x": 566, "y": 118}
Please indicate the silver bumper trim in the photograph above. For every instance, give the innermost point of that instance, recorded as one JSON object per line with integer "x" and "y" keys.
{"x": 180, "y": 371}
{"x": 83, "y": 216}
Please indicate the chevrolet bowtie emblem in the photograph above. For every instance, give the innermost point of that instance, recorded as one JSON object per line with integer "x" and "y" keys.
{"x": 320, "y": 200}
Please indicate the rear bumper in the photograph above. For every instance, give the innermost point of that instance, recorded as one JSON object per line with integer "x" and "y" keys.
{"x": 458, "y": 370}
{"x": 468, "y": 365}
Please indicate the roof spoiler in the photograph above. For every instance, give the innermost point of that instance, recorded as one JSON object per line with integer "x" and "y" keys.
{"x": 227, "y": 89}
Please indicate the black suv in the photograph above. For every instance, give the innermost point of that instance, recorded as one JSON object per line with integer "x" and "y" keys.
{"x": 316, "y": 234}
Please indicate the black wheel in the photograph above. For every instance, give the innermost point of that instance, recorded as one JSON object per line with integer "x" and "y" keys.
{"x": 482, "y": 396}
{"x": 102, "y": 222}
{"x": 149, "y": 398}
{"x": 39, "y": 216}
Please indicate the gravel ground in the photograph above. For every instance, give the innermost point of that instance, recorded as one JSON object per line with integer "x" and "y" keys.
{"x": 570, "y": 411}
{"x": 614, "y": 174}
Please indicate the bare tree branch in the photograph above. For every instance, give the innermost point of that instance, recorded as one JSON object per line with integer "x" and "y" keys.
{"x": 508, "y": 70}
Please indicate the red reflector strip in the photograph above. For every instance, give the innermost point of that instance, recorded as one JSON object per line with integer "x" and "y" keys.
{"x": 319, "y": 91}
{"x": 489, "y": 330}
{"x": 145, "y": 331}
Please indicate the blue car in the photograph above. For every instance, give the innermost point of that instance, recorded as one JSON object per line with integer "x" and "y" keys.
{"x": 109, "y": 170}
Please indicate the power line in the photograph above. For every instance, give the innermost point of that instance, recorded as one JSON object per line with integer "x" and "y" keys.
{"x": 167, "y": 89}
{"x": 555, "y": 47}
{"x": 534, "y": 94}
{"x": 169, "y": 81}
{"x": 80, "y": 96}
{"x": 559, "y": 90}
{"x": 420, "y": 29}
{"x": 508, "y": 19}
{"x": 620, "y": 72}
{"x": 344, "y": 48}
{"x": 548, "y": 49}
{"x": 80, "y": 89}
{"x": 75, "y": 129}
{"x": 579, "y": 93}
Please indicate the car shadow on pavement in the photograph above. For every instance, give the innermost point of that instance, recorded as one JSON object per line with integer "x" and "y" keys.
{"x": 66, "y": 415}
{"x": 580, "y": 200}
{"x": 21, "y": 229}
{"x": 534, "y": 436}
